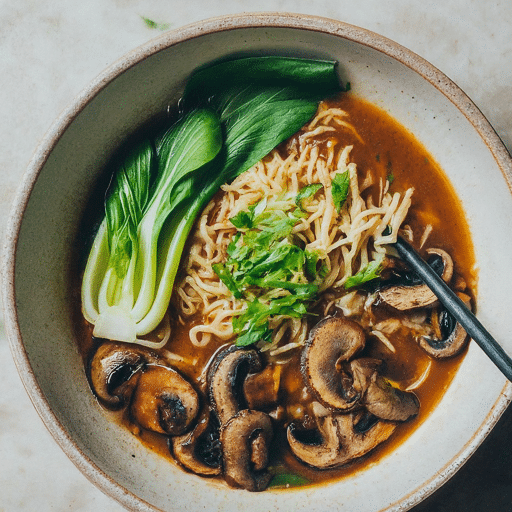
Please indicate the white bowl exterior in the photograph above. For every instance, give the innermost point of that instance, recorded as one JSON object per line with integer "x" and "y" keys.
{"x": 82, "y": 141}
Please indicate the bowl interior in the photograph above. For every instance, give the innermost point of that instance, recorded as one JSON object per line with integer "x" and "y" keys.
{"x": 67, "y": 169}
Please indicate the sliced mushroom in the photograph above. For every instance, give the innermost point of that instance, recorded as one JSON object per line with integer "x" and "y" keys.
{"x": 331, "y": 342}
{"x": 319, "y": 448}
{"x": 380, "y": 397}
{"x": 226, "y": 378}
{"x": 446, "y": 266}
{"x": 114, "y": 371}
{"x": 390, "y": 403}
{"x": 362, "y": 371}
{"x": 338, "y": 440}
{"x": 245, "y": 439}
{"x": 455, "y": 335}
{"x": 164, "y": 401}
{"x": 403, "y": 297}
{"x": 199, "y": 450}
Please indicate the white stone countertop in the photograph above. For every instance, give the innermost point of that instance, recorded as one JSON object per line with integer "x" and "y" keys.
{"x": 49, "y": 52}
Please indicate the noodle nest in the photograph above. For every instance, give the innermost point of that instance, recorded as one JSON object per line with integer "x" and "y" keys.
{"x": 346, "y": 241}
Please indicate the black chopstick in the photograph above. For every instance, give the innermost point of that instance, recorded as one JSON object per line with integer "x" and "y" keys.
{"x": 456, "y": 307}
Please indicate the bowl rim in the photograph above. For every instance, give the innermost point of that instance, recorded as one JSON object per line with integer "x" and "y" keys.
{"x": 191, "y": 31}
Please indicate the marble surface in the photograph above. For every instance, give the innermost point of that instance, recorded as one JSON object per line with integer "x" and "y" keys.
{"x": 49, "y": 51}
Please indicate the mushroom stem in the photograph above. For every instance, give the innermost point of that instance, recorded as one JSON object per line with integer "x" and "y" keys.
{"x": 245, "y": 440}
{"x": 378, "y": 395}
{"x": 226, "y": 378}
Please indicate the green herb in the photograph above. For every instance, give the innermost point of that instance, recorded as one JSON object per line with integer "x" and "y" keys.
{"x": 288, "y": 480}
{"x": 368, "y": 273}
{"x": 242, "y": 220}
{"x": 226, "y": 278}
{"x": 253, "y": 325}
{"x": 307, "y": 192}
{"x": 268, "y": 269}
{"x": 390, "y": 177}
{"x": 311, "y": 266}
{"x": 235, "y": 113}
{"x": 154, "y": 25}
{"x": 340, "y": 189}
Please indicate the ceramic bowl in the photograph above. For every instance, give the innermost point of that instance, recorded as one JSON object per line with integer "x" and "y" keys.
{"x": 51, "y": 201}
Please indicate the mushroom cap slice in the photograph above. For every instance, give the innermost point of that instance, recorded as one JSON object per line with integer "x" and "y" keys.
{"x": 390, "y": 403}
{"x": 404, "y": 298}
{"x": 164, "y": 401}
{"x": 341, "y": 442}
{"x": 322, "y": 449}
{"x": 447, "y": 263}
{"x": 453, "y": 343}
{"x": 245, "y": 440}
{"x": 190, "y": 449}
{"x": 363, "y": 369}
{"x": 114, "y": 370}
{"x": 379, "y": 397}
{"x": 226, "y": 378}
{"x": 331, "y": 342}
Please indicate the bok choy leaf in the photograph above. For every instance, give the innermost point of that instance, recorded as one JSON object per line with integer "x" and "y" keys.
{"x": 126, "y": 204}
{"x": 235, "y": 113}
{"x": 317, "y": 77}
{"x": 121, "y": 293}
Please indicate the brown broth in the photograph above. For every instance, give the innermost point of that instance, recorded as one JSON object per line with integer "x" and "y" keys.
{"x": 389, "y": 150}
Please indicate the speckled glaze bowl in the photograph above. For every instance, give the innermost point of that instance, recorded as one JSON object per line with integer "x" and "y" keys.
{"x": 49, "y": 206}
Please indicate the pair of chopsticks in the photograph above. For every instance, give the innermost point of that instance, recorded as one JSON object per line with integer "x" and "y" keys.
{"x": 456, "y": 307}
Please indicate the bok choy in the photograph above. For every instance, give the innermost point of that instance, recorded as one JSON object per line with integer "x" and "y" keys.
{"x": 234, "y": 114}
